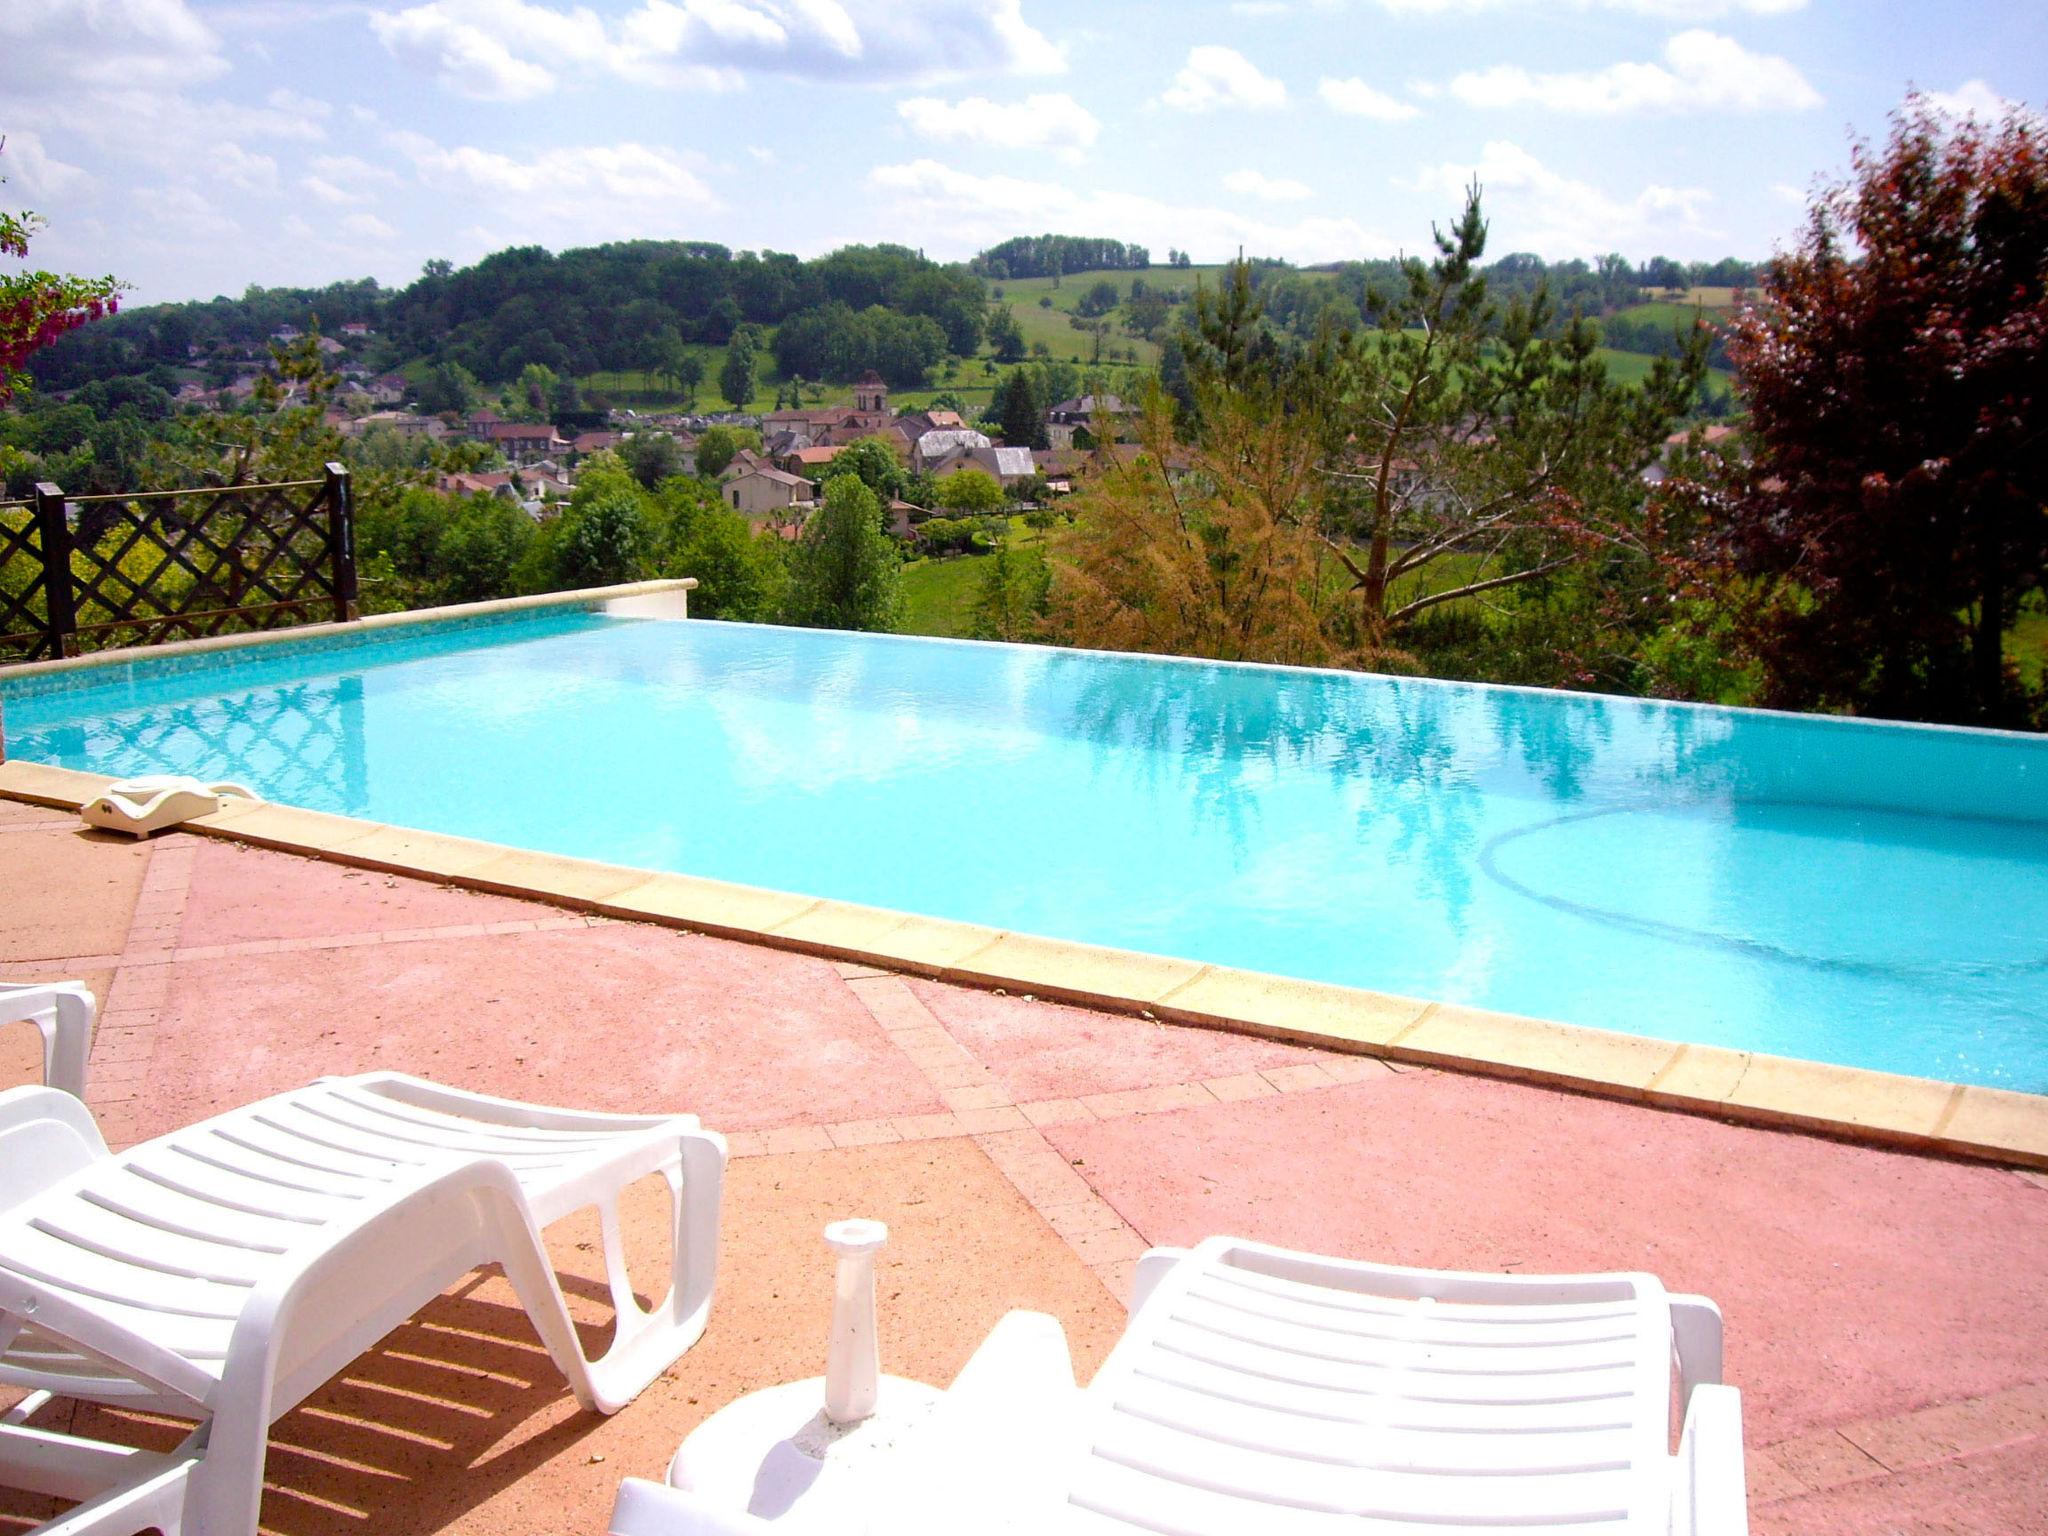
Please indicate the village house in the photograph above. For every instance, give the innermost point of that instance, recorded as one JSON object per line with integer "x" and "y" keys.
{"x": 745, "y": 462}
{"x": 931, "y": 447}
{"x": 355, "y": 328}
{"x": 768, "y": 494}
{"x": 523, "y": 442}
{"x": 406, "y": 423}
{"x": 798, "y": 460}
{"x": 595, "y": 442}
{"x": 1011, "y": 466}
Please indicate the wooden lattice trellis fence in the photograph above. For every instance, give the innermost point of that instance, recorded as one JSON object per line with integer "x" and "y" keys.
{"x": 85, "y": 572}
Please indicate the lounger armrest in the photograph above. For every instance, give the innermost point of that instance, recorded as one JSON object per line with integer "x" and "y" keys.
{"x": 63, "y": 1011}
{"x": 1711, "y": 1495}
{"x": 654, "y": 1509}
{"x": 1154, "y": 1265}
{"x": 1696, "y": 1341}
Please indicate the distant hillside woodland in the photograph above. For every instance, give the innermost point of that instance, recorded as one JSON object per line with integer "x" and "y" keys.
{"x": 624, "y": 306}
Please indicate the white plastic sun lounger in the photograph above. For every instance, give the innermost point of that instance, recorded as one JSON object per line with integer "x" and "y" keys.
{"x": 1261, "y": 1390}
{"x": 226, "y": 1271}
{"x": 63, "y": 1011}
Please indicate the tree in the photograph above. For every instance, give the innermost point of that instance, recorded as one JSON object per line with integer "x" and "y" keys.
{"x": 536, "y": 392}
{"x": 973, "y": 492}
{"x": 38, "y": 307}
{"x": 843, "y": 572}
{"x": 874, "y": 463}
{"x": 740, "y": 575}
{"x": 1896, "y": 373}
{"x": 1005, "y": 336}
{"x": 651, "y": 457}
{"x": 448, "y": 388}
{"x": 736, "y": 377}
{"x": 717, "y": 445}
{"x": 1022, "y": 415}
{"x": 1011, "y": 599}
{"x": 1454, "y": 428}
{"x": 603, "y": 538}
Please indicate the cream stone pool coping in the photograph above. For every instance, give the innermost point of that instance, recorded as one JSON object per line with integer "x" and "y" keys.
{"x": 1961, "y": 1119}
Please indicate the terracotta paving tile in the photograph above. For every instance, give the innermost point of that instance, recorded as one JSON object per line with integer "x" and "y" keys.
{"x": 892, "y": 1003}
{"x": 745, "y": 1143}
{"x": 1354, "y": 1069}
{"x": 1147, "y": 1101}
{"x": 1107, "y": 1246}
{"x": 977, "y": 1098}
{"x": 1056, "y": 1111}
{"x": 964, "y": 1074}
{"x": 863, "y": 1133}
{"x": 796, "y": 1138}
{"x": 1953, "y": 1429}
{"x": 1825, "y": 1460}
{"x": 1082, "y": 1216}
{"x": 1118, "y": 1277}
{"x": 850, "y": 970}
{"x": 1769, "y": 1478}
{"x": 926, "y": 1127}
{"x": 1301, "y": 1076}
{"x": 1001, "y": 1117}
{"x": 1241, "y": 1085}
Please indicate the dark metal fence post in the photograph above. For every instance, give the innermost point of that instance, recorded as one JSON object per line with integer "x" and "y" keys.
{"x": 341, "y": 536}
{"x": 54, "y": 532}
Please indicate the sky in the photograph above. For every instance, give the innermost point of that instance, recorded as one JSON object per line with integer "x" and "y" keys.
{"x": 195, "y": 147}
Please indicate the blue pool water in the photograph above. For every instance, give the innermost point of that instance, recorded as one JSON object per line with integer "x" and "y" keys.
{"x": 1868, "y": 894}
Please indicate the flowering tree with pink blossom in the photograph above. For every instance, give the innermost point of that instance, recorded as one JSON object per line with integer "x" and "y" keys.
{"x": 38, "y": 307}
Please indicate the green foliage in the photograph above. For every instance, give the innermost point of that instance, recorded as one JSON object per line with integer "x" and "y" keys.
{"x": 36, "y": 308}
{"x": 874, "y": 463}
{"x": 1021, "y": 411}
{"x": 969, "y": 491}
{"x": 835, "y": 341}
{"x": 717, "y": 445}
{"x": 1005, "y": 336}
{"x": 1016, "y": 584}
{"x": 736, "y": 378}
{"x": 844, "y": 572}
{"x": 448, "y": 388}
{"x": 740, "y": 574}
{"x": 651, "y": 457}
{"x": 952, "y": 535}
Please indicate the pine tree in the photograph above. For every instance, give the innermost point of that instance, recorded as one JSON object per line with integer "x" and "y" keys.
{"x": 1018, "y": 407}
{"x": 736, "y": 378}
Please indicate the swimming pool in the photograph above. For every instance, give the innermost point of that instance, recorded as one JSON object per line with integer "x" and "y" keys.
{"x": 1852, "y": 892}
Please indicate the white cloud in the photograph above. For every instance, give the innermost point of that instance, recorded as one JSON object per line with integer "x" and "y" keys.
{"x": 572, "y": 195}
{"x": 1051, "y": 122}
{"x": 762, "y": 153}
{"x": 951, "y": 210}
{"x": 1221, "y": 77}
{"x": 514, "y": 50}
{"x": 52, "y": 47}
{"x": 1974, "y": 99}
{"x": 1267, "y": 189}
{"x": 367, "y": 226}
{"x": 241, "y": 169}
{"x": 287, "y": 100}
{"x": 35, "y": 170}
{"x": 344, "y": 179}
{"x": 1533, "y": 208}
{"x": 1355, "y": 98}
{"x": 1702, "y": 71}
{"x": 490, "y": 50}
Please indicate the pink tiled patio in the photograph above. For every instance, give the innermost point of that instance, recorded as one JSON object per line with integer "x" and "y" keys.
{"x": 1887, "y": 1313}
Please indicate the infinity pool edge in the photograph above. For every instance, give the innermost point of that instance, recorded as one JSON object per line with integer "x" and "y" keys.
{"x": 1923, "y": 1114}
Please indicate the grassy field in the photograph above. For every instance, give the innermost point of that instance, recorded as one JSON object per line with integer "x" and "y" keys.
{"x": 1712, "y": 298}
{"x": 939, "y": 594}
{"x": 973, "y": 379}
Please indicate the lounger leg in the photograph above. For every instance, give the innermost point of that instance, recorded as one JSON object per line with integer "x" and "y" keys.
{"x": 646, "y": 1342}
{"x": 1696, "y": 1341}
